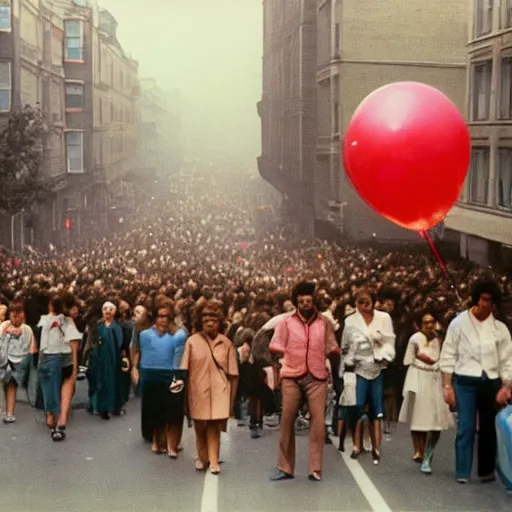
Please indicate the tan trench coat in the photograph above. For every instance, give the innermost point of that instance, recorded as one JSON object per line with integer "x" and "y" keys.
{"x": 210, "y": 389}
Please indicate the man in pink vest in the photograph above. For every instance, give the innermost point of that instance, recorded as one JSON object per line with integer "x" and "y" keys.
{"x": 305, "y": 340}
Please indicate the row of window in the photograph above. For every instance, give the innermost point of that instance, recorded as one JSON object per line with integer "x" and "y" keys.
{"x": 481, "y": 89}
{"x": 484, "y": 16}
{"x": 478, "y": 190}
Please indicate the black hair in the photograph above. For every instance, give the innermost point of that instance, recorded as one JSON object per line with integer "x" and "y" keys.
{"x": 486, "y": 286}
{"x": 302, "y": 288}
{"x": 419, "y": 315}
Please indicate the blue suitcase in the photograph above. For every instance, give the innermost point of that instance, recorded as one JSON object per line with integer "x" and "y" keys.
{"x": 504, "y": 435}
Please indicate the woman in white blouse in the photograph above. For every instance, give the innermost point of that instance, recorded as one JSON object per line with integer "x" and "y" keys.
{"x": 369, "y": 344}
{"x": 476, "y": 361}
{"x": 423, "y": 407}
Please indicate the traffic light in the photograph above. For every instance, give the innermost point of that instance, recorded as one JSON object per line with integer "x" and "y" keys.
{"x": 68, "y": 224}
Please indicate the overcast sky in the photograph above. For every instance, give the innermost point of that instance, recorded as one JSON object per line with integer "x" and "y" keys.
{"x": 210, "y": 50}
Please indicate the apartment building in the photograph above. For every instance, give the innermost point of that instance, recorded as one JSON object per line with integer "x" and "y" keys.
{"x": 32, "y": 73}
{"x": 483, "y": 216}
{"x": 102, "y": 118}
{"x": 362, "y": 46}
{"x": 160, "y": 139}
{"x": 288, "y": 107}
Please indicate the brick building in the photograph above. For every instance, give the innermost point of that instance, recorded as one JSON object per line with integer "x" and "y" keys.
{"x": 357, "y": 47}
{"x": 31, "y": 72}
{"x": 288, "y": 106}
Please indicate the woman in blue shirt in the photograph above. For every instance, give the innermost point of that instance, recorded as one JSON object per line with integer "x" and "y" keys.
{"x": 161, "y": 349}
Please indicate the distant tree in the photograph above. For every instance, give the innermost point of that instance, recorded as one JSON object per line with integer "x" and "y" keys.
{"x": 22, "y": 142}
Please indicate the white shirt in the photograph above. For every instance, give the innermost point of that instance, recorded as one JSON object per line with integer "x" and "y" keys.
{"x": 472, "y": 348}
{"x": 57, "y": 333}
{"x": 368, "y": 347}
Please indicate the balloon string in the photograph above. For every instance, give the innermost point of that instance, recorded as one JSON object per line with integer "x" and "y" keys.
{"x": 426, "y": 236}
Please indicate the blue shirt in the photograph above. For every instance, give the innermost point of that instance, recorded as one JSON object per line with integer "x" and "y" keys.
{"x": 161, "y": 352}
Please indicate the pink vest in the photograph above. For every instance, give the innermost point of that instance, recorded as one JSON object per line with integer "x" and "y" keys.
{"x": 304, "y": 347}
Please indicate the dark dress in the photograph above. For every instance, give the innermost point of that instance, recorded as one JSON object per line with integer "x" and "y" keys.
{"x": 104, "y": 373}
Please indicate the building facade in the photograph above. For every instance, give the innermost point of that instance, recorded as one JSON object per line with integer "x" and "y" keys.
{"x": 288, "y": 107}
{"x": 483, "y": 216}
{"x": 160, "y": 139}
{"x": 102, "y": 119}
{"x": 32, "y": 73}
{"x": 362, "y": 46}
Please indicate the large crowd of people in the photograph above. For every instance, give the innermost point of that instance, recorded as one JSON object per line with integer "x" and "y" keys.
{"x": 192, "y": 286}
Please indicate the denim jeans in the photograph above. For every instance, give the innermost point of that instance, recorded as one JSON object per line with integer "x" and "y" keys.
{"x": 475, "y": 395}
{"x": 370, "y": 392}
{"x": 53, "y": 370}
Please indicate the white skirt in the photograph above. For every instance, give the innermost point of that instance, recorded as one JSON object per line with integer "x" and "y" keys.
{"x": 424, "y": 408}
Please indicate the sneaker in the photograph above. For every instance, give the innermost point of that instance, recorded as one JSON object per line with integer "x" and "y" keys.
{"x": 486, "y": 479}
{"x": 426, "y": 468}
{"x": 255, "y": 433}
{"x": 272, "y": 421}
{"x": 462, "y": 480}
{"x": 10, "y": 418}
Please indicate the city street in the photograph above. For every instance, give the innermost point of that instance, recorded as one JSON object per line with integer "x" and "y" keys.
{"x": 104, "y": 466}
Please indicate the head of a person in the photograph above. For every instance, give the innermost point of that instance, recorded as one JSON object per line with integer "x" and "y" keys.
{"x": 426, "y": 322}
{"x": 3, "y": 312}
{"x": 124, "y": 309}
{"x": 56, "y": 305}
{"x": 486, "y": 296}
{"x": 108, "y": 312}
{"x": 164, "y": 314}
{"x": 303, "y": 298}
{"x": 139, "y": 313}
{"x": 209, "y": 318}
{"x": 17, "y": 313}
{"x": 365, "y": 301}
{"x": 288, "y": 306}
{"x": 388, "y": 305}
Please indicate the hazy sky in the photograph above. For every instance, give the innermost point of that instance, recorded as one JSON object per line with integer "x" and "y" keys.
{"x": 210, "y": 50}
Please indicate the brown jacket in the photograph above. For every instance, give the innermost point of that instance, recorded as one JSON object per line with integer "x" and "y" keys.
{"x": 211, "y": 387}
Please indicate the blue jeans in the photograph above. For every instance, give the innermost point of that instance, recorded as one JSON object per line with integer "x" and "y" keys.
{"x": 475, "y": 395}
{"x": 371, "y": 392}
{"x": 53, "y": 370}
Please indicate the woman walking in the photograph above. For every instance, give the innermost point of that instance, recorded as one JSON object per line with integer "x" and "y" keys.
{"x": 161, "y": 351}
{"x": 423, "y": 407}
{"x": 210, "y": 359}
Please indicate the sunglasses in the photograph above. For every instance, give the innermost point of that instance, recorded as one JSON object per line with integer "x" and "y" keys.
{"x": 163, "y": 316}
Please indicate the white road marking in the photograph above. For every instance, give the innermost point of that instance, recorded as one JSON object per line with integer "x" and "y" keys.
{"x": 367, "y": 487}
{"x": 210, "y": 499}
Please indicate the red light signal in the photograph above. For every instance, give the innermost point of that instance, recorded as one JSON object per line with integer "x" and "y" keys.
{"x": 68, "y": 224}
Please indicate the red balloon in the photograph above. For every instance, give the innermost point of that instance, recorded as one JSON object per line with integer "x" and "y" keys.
{"x": 406, "y": 152}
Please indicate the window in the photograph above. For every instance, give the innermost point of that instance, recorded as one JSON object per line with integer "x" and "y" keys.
{"x": 5, "y": 15}
{"x": 5, "y": 86}
{"x": 478, "y": 176}
{"x": 504, "y": 178}
{"x": 506, "y": 88}
{"x": 481, "y": 90}
{"x": 483, "y": 12}
{"x": 337, "y": 36}
{"x": 508, "y": 14}
{"x": 74, "y": 95}
{"x": 75, "y": 151}
{"x": 74, "y": 48}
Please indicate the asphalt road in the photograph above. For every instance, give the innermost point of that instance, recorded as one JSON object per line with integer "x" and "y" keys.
{"x": 104, "y": 466}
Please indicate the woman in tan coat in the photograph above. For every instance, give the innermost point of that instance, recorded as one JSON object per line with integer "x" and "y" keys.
{"x": 210, "y": 359}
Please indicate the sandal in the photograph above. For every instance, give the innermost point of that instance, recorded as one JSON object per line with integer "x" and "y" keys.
{"x": 315, "y": 476}
{"x": 355, "y": 454}
{"x": 200, "y": 465}
{"x": 59, "y": 433}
